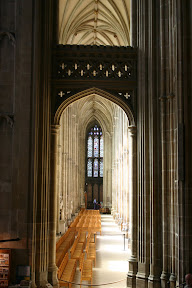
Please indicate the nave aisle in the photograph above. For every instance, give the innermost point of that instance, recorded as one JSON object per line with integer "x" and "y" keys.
{"x": 111, "y": 258}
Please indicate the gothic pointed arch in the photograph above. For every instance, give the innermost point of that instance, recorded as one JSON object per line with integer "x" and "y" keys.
{"x": 94, "y": 91}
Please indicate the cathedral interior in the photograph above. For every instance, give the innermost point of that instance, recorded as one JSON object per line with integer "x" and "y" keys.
{"x": 96, "y": 101}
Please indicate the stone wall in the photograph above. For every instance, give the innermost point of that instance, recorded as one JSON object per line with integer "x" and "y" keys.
{"x": 16, "y": 108}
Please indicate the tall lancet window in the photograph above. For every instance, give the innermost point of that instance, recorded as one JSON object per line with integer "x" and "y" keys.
{"x": 95, "y": 152}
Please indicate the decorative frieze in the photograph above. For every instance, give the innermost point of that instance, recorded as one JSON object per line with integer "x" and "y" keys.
{"x": 95, "y": 69}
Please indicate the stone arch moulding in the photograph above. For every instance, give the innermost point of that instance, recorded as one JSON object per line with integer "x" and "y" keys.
{"x": 94, "y": 91}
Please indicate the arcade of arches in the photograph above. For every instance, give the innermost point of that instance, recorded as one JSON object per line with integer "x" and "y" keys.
{"x": 125, "y": 66}
{"x": 119, "y": 138}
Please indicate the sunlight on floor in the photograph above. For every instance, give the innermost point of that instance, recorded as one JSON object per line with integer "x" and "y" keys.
{"x": 111, "y": 258}
{"x": 118, "y": 266}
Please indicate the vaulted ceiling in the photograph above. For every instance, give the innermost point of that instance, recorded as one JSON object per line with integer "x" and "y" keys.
{"x": 94, "y": 22}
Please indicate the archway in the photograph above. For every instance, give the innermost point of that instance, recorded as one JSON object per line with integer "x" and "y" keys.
{"x": 84, "y": 99}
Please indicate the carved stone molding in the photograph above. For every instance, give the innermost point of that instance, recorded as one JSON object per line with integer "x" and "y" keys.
{"x": 8, "y": 34}
{"x": 127, "y": 96}
{"x": 94, "y": 69}
{"x": 94, "y": 63}
{"x": 9, "y": 119}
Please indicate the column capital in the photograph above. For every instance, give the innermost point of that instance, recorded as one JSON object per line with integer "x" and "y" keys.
{"x": 55, "y": 129}
{"x": 170, "y": 96}
{"x": 163, "y": 98}
{"x": 132, "y": 130}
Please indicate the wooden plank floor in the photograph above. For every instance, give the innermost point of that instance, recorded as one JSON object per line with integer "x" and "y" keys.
{"x": 111, "y": 258}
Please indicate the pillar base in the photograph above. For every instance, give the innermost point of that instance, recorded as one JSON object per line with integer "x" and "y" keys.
{"x": 172, "y": 281}
{"x": 133, "y": 264}
{"x": 33, "y": 284}
{"x": 142, "y": 282}
{"x": 154, "y": 282}
{"x": 52, "y": 276}
{"x": 164, "y": 280}
{"x": 41, "y": 279}
{"x": 131, "y": 275}
{"x": 131, "y": 281}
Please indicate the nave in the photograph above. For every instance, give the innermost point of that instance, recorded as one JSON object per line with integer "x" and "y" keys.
{"x": 111, "y": 257}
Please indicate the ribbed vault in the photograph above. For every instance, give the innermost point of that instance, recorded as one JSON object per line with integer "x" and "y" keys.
{"x": 94, "y": 22}
{"x": 98, "y": 108}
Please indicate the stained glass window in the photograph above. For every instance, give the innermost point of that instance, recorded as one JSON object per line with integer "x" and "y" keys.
{"x": 89, "y": 168}
{"x": 95, "y": 148}
{"x": 95, "y": 168}
{"x": 101, "y": 168}
{"x": 90, "y": 147}
{"x": 101, "y": 146}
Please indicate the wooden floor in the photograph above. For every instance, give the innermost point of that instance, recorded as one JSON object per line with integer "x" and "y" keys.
{"x": 111, "y": 258}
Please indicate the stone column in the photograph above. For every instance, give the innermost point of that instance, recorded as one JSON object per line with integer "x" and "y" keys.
{"x": 131, "y": 276}
{"x": 76, "y": 167}
{"x": 105, "y": 170}
{"x": 65, "y": 176}
{"x": 172, "y": 278}
{"x": 164, "y": 275}
{"x": 117, "y": 186}
{"x": 64, "y": 216}
{"x": 133, "y": 23}
{"x": 52, "y": 268}
{"x": 59, "y": 171}
{"x": 70, "y": 195}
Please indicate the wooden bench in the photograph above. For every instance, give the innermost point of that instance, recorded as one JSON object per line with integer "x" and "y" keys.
{"x": 82, "y": 238}
{"x": 74, "y": 223}
{"x": 94, "y": 227}
{"x": 91, "y": 251}
{"x": 61, "y": 239}
{"x": 86, "y": 269}
{"x": 66, "y": 271}
{"x": 92, "y": 236}
{"x": 76, "y": 249}
{"x": 63, "y": 246}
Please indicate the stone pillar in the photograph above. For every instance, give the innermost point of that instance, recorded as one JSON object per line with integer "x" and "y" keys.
{"x": 172, "y": 278}
{"x": 61, "y": 188}
{"x": 65, "y": 174}
{"x": 164, "y": 275}
{"x": 59, "y": 171}
{"x": 52, "y": 268}
{"x": 76, "y": 167}
{"x": 133, "y": 23}
{"x": 70, "y": 178}
{"x": 131, "y": 276}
